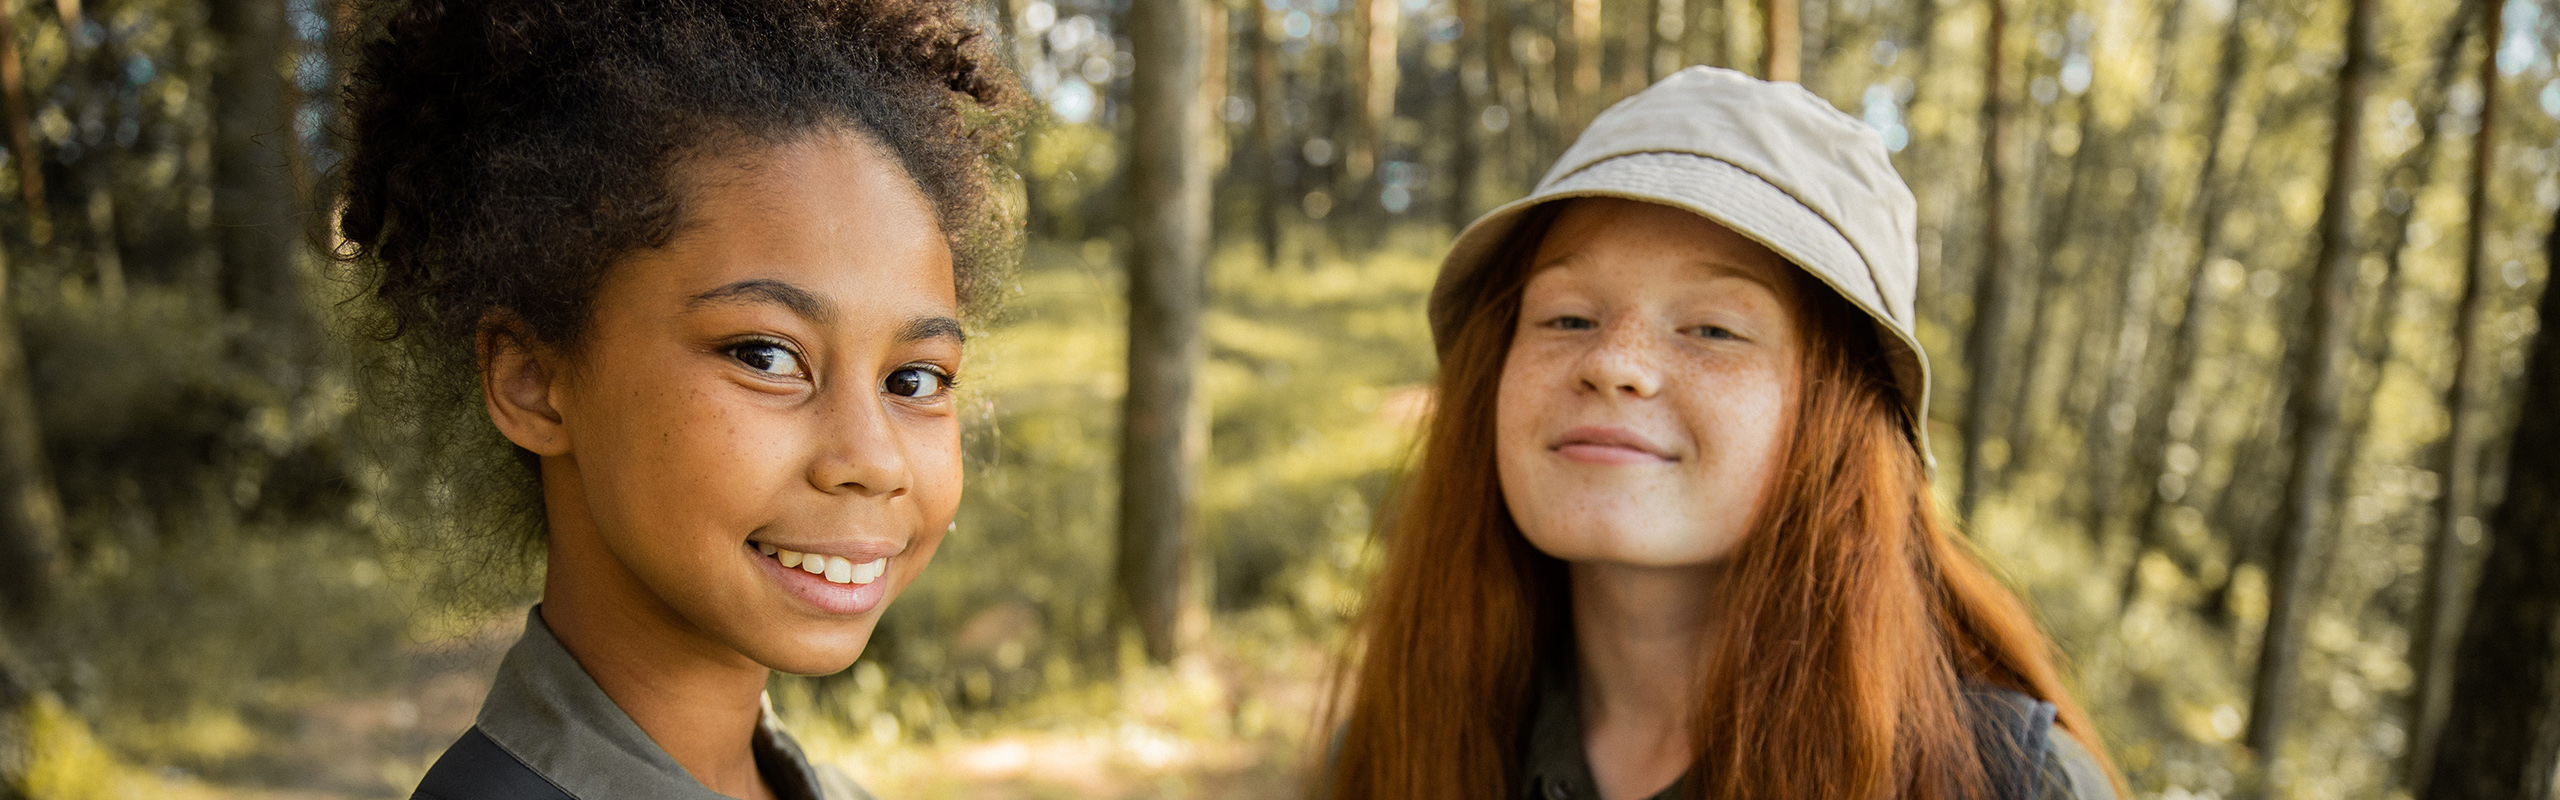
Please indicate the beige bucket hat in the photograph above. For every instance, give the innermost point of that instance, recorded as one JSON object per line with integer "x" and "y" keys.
{"x": 1770, "y": 161}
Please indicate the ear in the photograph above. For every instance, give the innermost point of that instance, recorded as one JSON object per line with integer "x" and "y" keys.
{"x": 519, "y": 376}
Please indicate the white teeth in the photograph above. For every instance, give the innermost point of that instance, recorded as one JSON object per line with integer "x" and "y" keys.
{"x": 836, "y": 569}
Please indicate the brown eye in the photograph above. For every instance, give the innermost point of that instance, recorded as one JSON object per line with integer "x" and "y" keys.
{"x": 916, "y": 383}
{"x": 767, "y": 357}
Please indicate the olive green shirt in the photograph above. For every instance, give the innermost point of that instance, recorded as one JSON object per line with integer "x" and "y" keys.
{"x": 1556, "y": 768}
{"x": 549, "y": 716}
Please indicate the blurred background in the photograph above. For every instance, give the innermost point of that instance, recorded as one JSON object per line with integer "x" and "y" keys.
{"x": 2232, "y": 304}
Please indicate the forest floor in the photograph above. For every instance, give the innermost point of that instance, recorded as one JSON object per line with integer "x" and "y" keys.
{"x": 1204, "y": 727}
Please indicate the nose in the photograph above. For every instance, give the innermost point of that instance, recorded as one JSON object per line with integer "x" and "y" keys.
{"x": 1623, "y": 361}
{"x": 858, "y": 451}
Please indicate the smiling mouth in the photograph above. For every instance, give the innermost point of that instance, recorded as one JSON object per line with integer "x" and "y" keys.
{"x": 1600, "y": 444}
{"x": 836, "y": 569}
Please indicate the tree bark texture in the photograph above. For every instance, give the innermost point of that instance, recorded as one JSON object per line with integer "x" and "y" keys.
{"x": 1163, "y": 435}
{"x": 2431, "y": 635}
{"x": 2506, "y": 676}
{"x": 1985, "y": 343}
{"x": 2312, "y": 409}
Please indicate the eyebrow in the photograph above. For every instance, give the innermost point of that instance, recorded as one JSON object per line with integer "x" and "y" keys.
{"x": 1733, "y": 270}
{"x": 924, "y": 328}
{"x": 767, "y": 290}
{"x": 806, "y": 304}
{"x": 1717, "y": 267}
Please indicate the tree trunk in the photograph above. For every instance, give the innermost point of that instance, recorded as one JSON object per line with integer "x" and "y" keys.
{"x": 1985, "y": 343}
{"x": 2178, "y": 406}
{"x": 2439, "y": 610}
{"x": 30, "y": 537}
{"x": 1511, "y": 90}
{"x": 1266, "y": 132}
{"x": 1636, "y": 19}
{"x": 2313, "y": 406}
{"x": 1782, "y": 37}
{"x": 1702, "y": 32}
{"x": 1578, "y": 66}
{"x": 1163, "y": 430}
{"x": 1740, "y": 47}
{"x": 2506, "y": 689}
{"x": 2117, "y": 421}
{"x": 22, "y": 143}
{"x": 1475, "y": 74}
{"x": 253, "y": 210}
{"x": 30, "y": 511}
{"x": 1373, "y": 81}
{"x": 2046, "y": 273}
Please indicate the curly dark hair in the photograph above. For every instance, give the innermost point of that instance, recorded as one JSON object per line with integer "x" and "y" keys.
{"x": 506, "y": 153}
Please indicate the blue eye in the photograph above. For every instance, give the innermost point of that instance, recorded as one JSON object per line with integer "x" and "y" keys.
{"x": 1714, "y": 332}
{"x": 917, "y": 383}
{"x": 767, "y": 357}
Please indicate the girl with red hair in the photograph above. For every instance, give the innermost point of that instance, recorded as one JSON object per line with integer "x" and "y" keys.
{"x": 1670, "y": 531}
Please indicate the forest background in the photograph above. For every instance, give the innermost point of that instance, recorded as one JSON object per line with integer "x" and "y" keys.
{"x": 2233, "y": 306}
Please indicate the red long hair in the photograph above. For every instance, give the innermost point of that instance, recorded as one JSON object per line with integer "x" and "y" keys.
{"x": 1853, "y": 617}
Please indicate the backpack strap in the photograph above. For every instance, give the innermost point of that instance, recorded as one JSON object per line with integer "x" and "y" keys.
{"x": 475, "y": 768}
{"x": 2011, "y": 730}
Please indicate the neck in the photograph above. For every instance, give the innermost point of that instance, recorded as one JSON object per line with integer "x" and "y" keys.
{"x": 697, "y": 700}
{"x": 1638, "y": 634}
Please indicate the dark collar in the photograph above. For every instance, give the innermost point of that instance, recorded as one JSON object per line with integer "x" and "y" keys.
{"x": 1555, "y": 766}
{"x": 545, "y": 711}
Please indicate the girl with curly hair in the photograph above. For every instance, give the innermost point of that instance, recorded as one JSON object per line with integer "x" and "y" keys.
{"x": 703, "y": 264}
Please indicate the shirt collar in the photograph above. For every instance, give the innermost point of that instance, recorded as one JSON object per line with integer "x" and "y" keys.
{"x": 546, "y": 711}
{"x": 1555, "y": 766}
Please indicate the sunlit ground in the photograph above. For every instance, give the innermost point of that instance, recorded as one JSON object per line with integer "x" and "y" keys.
{"x": 1227, "y": 722}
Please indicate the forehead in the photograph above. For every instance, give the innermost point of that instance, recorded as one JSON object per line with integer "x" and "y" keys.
{"x": 829, "y": 211}
{"x": 1638, "y": 239}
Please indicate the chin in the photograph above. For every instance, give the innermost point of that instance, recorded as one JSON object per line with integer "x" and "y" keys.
{"x": 1639, "y": 540}
{"x": 824, "y": 653}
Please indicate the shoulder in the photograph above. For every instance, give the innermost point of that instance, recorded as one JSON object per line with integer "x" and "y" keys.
{"x": 2071, "y": 772}
{"x": 476, "y": 768}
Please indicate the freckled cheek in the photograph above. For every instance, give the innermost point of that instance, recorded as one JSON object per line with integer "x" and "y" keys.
{"x": 706, "y": 454}
{"x": 1528, "y": 387}
{"x": 933, "y": 453}
{"x": 1743, "y": 422}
